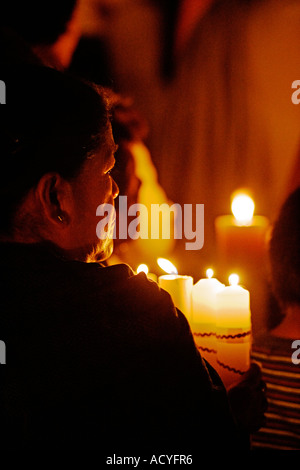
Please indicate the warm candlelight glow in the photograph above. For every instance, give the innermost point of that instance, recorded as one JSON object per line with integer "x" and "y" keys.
{"x": 234, "y": 279}
{"x": 142, "y": 268}
{"x": 209, "y": 273}
{"x": 167, "y": 266}
{"x": 243, "y": 208}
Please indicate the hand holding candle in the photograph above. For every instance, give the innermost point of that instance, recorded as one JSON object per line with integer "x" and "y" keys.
{"x": 233, "y": 331}
{"x": 179, "y": 287}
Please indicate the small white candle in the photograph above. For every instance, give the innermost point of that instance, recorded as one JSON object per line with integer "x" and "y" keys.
{"x": 233, "y": 305}
{"x": 144, "y": 268}
{"x": 204, "y": 299}
{"x": 178, "y": 286}
{"x": 204, "y": 313}
{"x": 233, "y": 331}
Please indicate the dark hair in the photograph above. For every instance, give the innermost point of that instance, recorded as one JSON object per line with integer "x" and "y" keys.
{"x": 51, "y": 122}
{"x": 285, "y": 252}
{"x": 128, "y": 124}
{"x": 38, "y": 22}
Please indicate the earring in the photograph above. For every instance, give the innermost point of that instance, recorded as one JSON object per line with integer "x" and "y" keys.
{"x": 60, "y": 218}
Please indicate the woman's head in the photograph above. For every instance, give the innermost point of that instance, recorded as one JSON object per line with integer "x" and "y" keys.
{"x": 57, "y": 148}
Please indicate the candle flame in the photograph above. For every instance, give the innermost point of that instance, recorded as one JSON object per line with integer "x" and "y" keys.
{"x": 142, "y": 268}
{"x": 167, "y": 266}
{"x": 242, "y": 208}
{"x": 234, "y": 279}
{"x": 209, "y": 273}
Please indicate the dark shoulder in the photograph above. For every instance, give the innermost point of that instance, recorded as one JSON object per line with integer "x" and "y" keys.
{"x": 143, "y": 297}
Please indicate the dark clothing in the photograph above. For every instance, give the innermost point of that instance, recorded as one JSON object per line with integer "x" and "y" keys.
{"x": 281, "y": 430}
{"x": 97, "y": 357}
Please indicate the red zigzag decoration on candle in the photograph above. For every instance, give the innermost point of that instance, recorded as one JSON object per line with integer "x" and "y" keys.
{"x": 207, "y": 350}
{"x": 238, "y": 335}
{"x": 212, "y": 333}
{"x": 231, "y": 369}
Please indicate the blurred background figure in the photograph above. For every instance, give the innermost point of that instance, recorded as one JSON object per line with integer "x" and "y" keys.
{"x": 50, "y": 29}
{"x": 137, "y": 179}
{"x": 273, "y": 350}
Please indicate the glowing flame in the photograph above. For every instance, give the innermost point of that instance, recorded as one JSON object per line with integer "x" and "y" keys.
{"x": 243, "y": 208}
{"x": 209, "y": 273}
{"x": 142, "y": 268}
{"x": 234, "y": 279}
{"x": 167, "y": 266}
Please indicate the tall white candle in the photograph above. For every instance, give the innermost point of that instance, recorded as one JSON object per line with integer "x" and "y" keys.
{"x": 233, "y": 331}
{"x": 204, "y": 313}
{"x": 241, "y": 244}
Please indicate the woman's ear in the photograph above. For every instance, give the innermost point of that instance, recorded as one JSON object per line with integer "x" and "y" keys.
{"x": 55, "y": 197}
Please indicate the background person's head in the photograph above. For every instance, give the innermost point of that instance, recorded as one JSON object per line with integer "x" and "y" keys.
{"x": 128, "y": 128}
{"x": 57, "y": 149}
{"x": 285, "y": 253}
{"x": 137, "y": 179}
{"x": 51, "y": 28}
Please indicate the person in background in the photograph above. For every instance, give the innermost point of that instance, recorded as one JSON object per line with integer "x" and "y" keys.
{"x": 276, "y": 351}
{"x": 137, "y": 179}
{"x": 51, "y": 30}
{"x": 97, "y": 357}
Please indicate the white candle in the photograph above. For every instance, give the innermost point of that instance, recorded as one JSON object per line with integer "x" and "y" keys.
{"x": 233, "y": 331}
{"x": 144, "y": 268}
{"x": 178, "y": 286}
{"x": 204, "y": 313}
{"x": 204, "y": 299}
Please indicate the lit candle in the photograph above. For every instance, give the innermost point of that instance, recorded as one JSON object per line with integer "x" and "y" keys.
{"x": 241, "y": 236}
{"x": 178, "y": 286}
{"x": 241, "y": 241}
{"x": 144, "y": 268}
{"x": 204, "y": 313}
{"x": 233, "y": 331}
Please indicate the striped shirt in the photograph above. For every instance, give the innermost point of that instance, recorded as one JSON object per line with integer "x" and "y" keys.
{"x": 282, "y": 428}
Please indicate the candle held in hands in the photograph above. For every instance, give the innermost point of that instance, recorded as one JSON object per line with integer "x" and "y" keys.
{"x": 233, "y": 331}
{"x": 204, "y": 316}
